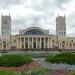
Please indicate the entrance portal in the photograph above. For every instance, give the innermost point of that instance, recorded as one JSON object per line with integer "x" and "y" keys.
{"x": 34, "y": 44}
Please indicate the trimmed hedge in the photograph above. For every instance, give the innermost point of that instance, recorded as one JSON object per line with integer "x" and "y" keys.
{"x": 14, "y": 60}
{"x": 65, "y": 57}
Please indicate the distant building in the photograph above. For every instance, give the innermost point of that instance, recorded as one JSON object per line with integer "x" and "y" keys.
{"x": 35, "y": 37}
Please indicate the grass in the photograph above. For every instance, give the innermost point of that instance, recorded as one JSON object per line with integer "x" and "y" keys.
{"x": 34, "y": 71}
{"x": 9, "y": 73}
{"x": 72, "y": 73}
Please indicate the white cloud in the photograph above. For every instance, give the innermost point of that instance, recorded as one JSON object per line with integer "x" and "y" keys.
{"x": 41, "y": 13}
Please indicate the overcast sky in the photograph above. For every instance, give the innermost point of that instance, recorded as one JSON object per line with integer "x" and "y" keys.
{"x": 40, "y": 13}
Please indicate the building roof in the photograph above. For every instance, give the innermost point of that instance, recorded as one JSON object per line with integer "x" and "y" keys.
{"x": 34, "y": 31}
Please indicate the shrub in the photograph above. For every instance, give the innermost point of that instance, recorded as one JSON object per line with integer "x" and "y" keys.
{"x": 65, "y": 57}
{"x": 14, "y": 60}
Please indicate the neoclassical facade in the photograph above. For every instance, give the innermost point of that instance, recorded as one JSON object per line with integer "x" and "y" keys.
{"x": 33, "y": 37}
{"x": 38, "y": 38}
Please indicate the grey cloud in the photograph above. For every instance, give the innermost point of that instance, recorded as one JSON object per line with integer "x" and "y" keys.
{"x": 42, "y": 5}
{"x": 71, "y": 20}
{"x": 71, "y": 25}
{"x": 7, "y": 3}
{"x": 33, "y": 20}
{"x": 59, "y": 3}
{"x": 18, "y": 21}
{"x": 45, "y": 21}
{"x": 42, "y": 14}
{"x": 26, "y": 22}
{"x": 17, "y": 24}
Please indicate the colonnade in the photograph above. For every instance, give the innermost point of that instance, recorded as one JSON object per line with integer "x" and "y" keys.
{"x": 33, "y": 42}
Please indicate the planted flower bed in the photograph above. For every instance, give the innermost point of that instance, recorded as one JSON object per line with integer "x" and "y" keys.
{"x": 36, "y": 71}
{"x": 14, "y": 60}
{"x": 65, "y": 57}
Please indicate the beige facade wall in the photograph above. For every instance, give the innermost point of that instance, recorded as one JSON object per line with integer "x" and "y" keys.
{"x": 7, "y": 42}
{"x": 36, "y": 42}
{"x": 41, "y": 42}
{"x": 30, "y": 42}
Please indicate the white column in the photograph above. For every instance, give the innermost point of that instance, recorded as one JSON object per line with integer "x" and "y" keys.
{"x": 40, "y": 42}
{"x": 2, "y": 44}
{"x": 24, "y": 42}
{"x": 28, "y": 43}
{"x": 32, "y": 42}
{"x": 17, "y": 42}
{"x": 36, "y": 42}
{"x": 20, "y": 43}
{"x": 64, "y": 45}
{"x": 44, "y": 43}
{"x": 51, "y": 43}
{"x": 48, "y": 42}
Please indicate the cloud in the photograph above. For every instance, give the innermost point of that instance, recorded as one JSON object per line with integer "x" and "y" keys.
{"x": 59, "y": 3}
{"x": 4, "y": 4}
{"x": 40, "y": 13}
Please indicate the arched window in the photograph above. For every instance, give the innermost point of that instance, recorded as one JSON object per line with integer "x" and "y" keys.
{"x": 34, "y": 32}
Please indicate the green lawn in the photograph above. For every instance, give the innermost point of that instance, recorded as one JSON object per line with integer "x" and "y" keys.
{"x": 72, "y": 73}
{"x": 9, "y": 73}
{"x": 36, "y": 71}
